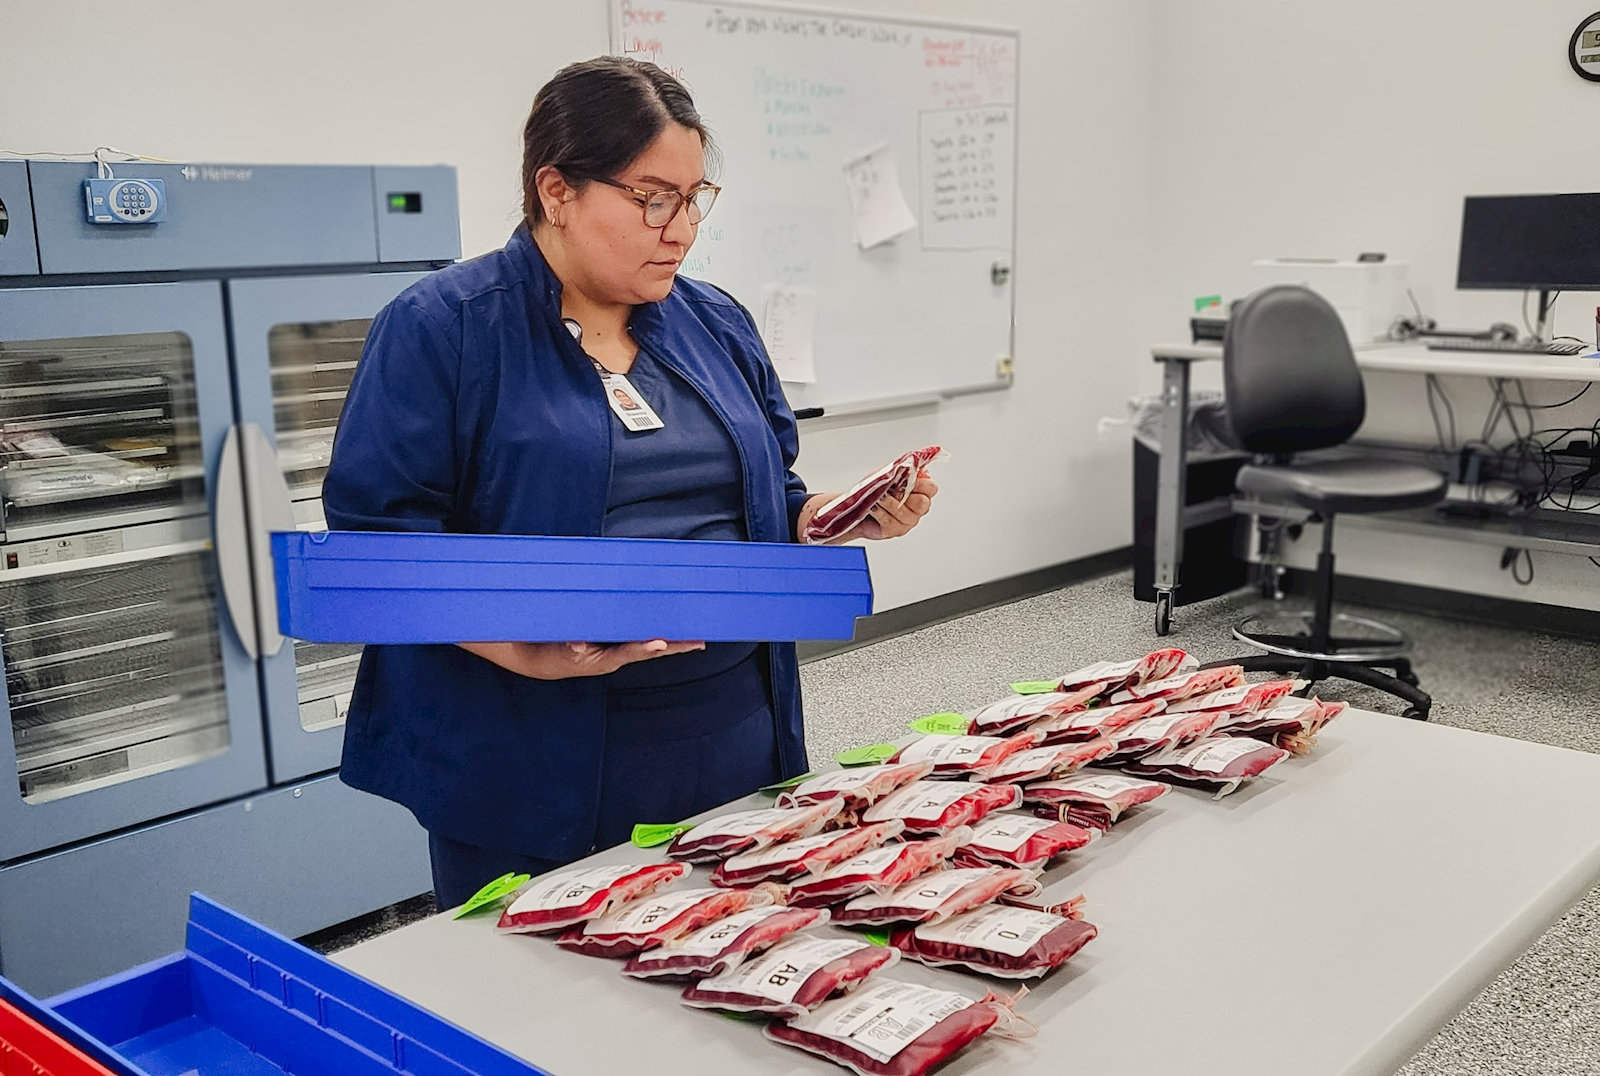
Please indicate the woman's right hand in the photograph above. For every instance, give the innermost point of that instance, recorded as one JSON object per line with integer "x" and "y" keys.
{"x": 563, "y": 661}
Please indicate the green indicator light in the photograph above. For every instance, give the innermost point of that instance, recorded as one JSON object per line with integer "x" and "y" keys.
{"x": 397, "y": 201}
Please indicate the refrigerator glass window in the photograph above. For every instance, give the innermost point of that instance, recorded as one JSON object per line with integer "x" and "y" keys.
{"x": 112, "y": 673}
{"x": 93, "y": 427}
{"x": 312, "y": 364}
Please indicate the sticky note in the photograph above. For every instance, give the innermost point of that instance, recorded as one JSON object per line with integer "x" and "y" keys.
{"x": 788, "y": 328}
{"x": 866, "y": 756}
{"x": 942, "y": 724}
{"x": 492, "y": 893}
{"x": 648, "y": 836}
{"x": 879, "y": 205}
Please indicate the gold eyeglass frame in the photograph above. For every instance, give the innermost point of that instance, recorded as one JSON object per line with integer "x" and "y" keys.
{"x": 684, "y": 200}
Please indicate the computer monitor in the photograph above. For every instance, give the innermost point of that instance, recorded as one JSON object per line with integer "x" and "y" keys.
{"x": 1548, "y": 242}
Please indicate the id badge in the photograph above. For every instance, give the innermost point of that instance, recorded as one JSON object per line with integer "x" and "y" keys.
{"x": 626, "y": 403}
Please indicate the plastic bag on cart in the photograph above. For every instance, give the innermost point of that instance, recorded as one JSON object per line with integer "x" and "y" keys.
{"x": 1208, "y": 436}
{"x": 724, "y": 944}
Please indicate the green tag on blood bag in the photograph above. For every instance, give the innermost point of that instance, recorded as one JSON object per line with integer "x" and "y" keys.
{"x": 1034, "y": 687}
{"x": 866, "y": 756}
{"x": 493, "y": 893}
{"x": 648, "y": 836}
{"x": 941, "y": 725}
{"x": 790, "y": 783}
{"x": 879, "y": 938}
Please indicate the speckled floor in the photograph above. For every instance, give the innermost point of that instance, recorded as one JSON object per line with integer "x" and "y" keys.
{"x": 1541, "y": 1016}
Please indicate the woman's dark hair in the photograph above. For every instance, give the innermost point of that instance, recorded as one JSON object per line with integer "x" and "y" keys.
{"x": 594, "y": 118}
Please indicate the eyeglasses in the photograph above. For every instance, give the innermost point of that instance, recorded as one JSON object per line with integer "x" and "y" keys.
{"x": 660, "y": 207}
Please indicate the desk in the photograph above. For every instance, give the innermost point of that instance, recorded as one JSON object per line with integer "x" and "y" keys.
{"x": 1328, "y": 919}
{"x": 1172, "y": 512}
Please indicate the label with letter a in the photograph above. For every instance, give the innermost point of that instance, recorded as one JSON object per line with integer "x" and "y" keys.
{"x": 780, "y": 972}
{"x": 1008, "y": 832}
{"x": 920, "y": 800}
{"x": 883, "y": 1018}
{"x": 997, "y": 928}
{"x": 948, "y": 750}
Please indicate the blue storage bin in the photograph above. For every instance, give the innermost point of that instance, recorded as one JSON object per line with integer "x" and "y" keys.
{"x": 244, "y": 1001}
{"x": 387, "y": 587}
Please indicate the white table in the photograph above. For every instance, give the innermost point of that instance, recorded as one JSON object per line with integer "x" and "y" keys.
{"x": 1173, "y": 514}
{"x": 1328, "y": 919}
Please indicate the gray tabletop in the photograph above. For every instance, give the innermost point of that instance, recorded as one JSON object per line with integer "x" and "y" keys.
{"x": 1328, "y": 918}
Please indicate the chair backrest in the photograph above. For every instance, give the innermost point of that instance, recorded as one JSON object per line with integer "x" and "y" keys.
{"x": 1291, "y": 379}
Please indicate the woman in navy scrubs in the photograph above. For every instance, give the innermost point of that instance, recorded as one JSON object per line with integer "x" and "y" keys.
{"x": 572, "y": 384}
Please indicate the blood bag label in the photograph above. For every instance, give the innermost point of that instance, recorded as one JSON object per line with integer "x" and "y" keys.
{"x": 997, "y": 928}
{"x": 926, "y": 893}
{"x": 921, "y": 801}
{"x": 786, "y": 852}
{"x": 1007, "y": 833}
{"x": 569, "y": 889}
{"x": 882, "y": 1019}
{"x": 711, "y": 940}
{"x": 649, "y": 913}
{"x": 948, "y": 750}
{"x": 781, "y": 971}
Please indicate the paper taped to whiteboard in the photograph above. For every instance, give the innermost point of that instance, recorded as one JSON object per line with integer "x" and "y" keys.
{"x": 966, "y": 173}
{"x": 879, "y": 205}
{"x": 788, "y": 327}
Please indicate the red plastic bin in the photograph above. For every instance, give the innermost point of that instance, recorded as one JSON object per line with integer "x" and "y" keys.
{"x": 27, "y": 1049}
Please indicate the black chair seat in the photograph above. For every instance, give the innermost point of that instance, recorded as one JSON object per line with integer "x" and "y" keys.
{"x": 1333, "y": 486}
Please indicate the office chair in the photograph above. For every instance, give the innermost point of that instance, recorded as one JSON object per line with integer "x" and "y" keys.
{"x": 1292, "y": 385}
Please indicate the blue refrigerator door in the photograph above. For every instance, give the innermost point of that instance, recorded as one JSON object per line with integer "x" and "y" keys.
{"x": 296, "y": 342}
{"x": 128, "y": 696}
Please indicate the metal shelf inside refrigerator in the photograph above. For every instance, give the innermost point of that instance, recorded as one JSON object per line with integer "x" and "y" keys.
{"x": 95, "y": 425}
{"x": 112, "y": 671}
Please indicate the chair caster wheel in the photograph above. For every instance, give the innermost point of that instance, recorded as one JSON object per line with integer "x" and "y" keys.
{"x": 1415, "y": 713}
{"x": 1163, "y": 612}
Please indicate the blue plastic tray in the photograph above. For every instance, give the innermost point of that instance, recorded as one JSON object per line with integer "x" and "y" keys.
{"x": 372, "y": 587}
{"x": 244, "y": 1001}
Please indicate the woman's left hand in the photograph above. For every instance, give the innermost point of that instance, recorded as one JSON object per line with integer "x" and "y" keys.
{"x": 890, "y": 518}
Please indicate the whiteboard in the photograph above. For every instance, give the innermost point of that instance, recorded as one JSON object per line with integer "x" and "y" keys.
{"x": 792, "y": 95}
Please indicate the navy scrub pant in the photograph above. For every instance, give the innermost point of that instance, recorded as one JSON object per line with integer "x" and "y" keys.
{"x": 671, "y": 753}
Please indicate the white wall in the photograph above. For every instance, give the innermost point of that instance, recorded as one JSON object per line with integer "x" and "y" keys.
{"x": 1028, "y": 485}
{"x": 1296, "y": 129}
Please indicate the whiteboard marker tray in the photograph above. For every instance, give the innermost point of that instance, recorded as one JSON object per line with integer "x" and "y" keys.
{"x": 372, "y": 587}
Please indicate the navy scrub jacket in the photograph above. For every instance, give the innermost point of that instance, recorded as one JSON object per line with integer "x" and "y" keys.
{"x": 474, "y": 411}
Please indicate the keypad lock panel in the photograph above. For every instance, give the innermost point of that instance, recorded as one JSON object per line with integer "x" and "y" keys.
{"x": 125, "y": 201}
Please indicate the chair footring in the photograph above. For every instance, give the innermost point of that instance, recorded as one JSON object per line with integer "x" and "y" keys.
{"x": 1402, "y": 685}
{"x": 1374, "y": 642}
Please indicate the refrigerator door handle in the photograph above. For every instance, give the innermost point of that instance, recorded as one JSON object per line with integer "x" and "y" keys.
{"x": 231, "y": 536}
{"x": 268, "y": 508}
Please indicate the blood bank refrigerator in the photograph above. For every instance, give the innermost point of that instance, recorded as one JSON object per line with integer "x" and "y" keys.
{"x": 162, "y": 326}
